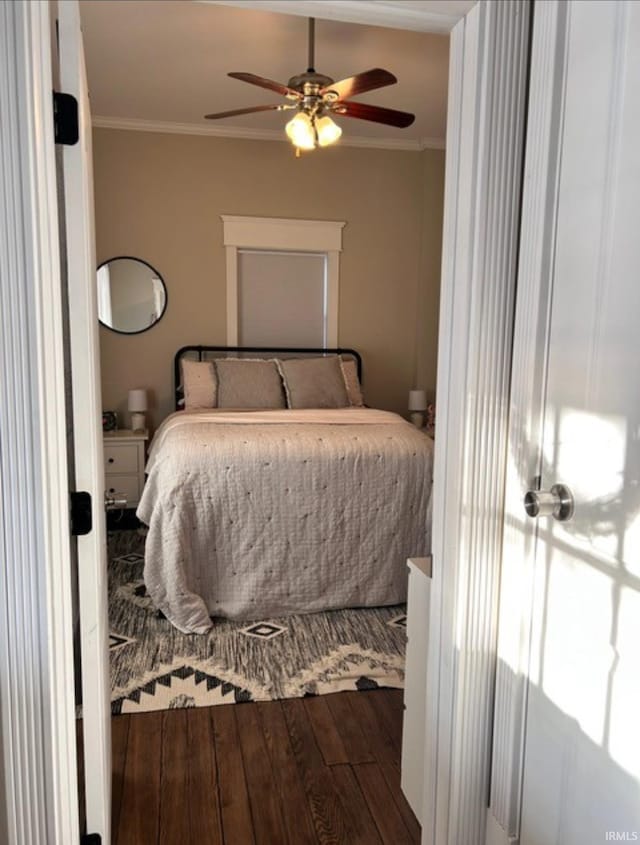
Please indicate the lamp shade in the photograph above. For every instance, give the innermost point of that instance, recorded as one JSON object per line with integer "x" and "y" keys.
{"x": 137, "y": 400}
{"x": 417, "y": 400}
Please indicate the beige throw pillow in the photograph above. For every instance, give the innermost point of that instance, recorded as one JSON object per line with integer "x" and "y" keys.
{"x": 249, "y": 383}
{"x": 314, "y": 382}
{"x": 352, "y": 382}
{"x": 199, "y": 384}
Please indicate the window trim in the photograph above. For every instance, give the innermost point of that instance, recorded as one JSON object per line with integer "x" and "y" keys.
{"x": 283, "y": 235}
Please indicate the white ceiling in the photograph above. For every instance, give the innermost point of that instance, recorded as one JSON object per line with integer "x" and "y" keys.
{"x": 420, "y": 15}
{"x": 163, "y": 64}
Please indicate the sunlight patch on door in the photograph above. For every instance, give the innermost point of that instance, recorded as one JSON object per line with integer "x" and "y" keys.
{"x": 577, "y": 654}
{"x": 624, "y": 739}
{"x": 592, "y": 462}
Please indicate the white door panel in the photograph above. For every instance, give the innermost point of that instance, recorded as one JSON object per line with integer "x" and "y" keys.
{"x": 87, "y": 431}
{"x": 582, "y": 739}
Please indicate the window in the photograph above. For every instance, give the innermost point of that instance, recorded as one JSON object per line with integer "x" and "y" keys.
{"x": 282, "y": 298}
{"x": 282, "y": 281}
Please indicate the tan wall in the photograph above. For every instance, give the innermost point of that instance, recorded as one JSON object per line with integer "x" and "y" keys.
{"x": 427, "y": 311}
{"x": 160, "y": 197}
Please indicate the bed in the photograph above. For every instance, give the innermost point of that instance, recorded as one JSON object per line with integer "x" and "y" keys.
{"x": 254, "y": 513}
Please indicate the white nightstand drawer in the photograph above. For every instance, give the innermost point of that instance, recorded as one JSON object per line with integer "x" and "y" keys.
{"x": 124, "y": 458}
{"x": 126, "y": 486}
{"x": 121, "y": 457}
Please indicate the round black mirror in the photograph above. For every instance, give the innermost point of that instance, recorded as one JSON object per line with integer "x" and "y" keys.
{"x": 132, "y": 296}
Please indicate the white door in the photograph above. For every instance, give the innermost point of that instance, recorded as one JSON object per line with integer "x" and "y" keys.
{"x": 87, "y": 429}
{"x": 581, "y": 779}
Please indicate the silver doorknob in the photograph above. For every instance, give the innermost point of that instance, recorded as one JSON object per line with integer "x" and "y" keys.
{"x": 114, "y": 501}
{"x": 557, "y": 502}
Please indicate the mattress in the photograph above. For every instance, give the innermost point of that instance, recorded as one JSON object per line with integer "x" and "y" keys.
{"x": 268, "y": 513}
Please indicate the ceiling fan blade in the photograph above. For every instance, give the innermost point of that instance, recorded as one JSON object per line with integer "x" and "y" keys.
{"x": 263, "y": 82}
{"x": 369, "y": 80}
{"x": 377, "y": 114}
{"x": 233, "y": 112}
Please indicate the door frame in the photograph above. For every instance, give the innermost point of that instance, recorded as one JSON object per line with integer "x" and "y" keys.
{"x": 488, "y": 87}
{"x": 487, "y": 102}
{"x": 529, "y": 374}
{"x": 85, "y": 420}
{"x": 36, "y": 623}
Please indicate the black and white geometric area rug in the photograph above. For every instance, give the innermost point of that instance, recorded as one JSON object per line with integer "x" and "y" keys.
{"x": 155, "y": 667}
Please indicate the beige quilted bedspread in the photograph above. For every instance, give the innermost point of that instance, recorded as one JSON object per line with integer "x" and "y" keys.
{"x": 260, "y": 514}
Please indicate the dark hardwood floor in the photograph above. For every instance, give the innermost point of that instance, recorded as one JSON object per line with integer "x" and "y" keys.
{"x": 315, "y": 770}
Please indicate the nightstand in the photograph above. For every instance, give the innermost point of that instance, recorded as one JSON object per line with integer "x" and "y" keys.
{"x": 415, "y": 682}
{"x": 124, "y": 459}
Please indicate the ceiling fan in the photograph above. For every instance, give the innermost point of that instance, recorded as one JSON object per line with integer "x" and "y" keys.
{"x": 315, "y": 97}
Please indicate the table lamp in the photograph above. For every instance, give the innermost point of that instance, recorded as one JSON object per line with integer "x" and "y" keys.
{"x": 417, "y": 406}
{"x": 137, "y": 406}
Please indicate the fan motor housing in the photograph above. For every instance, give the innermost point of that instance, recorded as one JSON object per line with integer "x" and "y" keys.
{"x": 317, "y": 80}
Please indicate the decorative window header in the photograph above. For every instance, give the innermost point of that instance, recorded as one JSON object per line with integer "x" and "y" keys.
{"x": 283, "y": 233}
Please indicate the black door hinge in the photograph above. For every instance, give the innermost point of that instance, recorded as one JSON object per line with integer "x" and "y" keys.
{"x": 81, "y": 522}
{"x": 65, "y": 119}
{"x": 91, "y": 839}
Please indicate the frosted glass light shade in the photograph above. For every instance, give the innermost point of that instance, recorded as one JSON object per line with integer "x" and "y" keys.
{"x": 300, "y": 131}
{"x": 328, "y": 131}
{"x": 137, "y": 400}
{"x": 417, "y": 400}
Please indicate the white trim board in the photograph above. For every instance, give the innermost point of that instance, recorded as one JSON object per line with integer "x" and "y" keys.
{"x": 85, "y": 417}
{"x": 489, "y": 52}
{"x": 213, "y": 130}
{"x": 39, "y": 773}
{"x": 279, "y": 233}
{"x": 535, "y": 273}
{"x": 283, "y": 233}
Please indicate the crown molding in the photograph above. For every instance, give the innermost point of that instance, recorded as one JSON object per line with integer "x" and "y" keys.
{"x": 438, "y": 16}
{"x": 173, "y": 128}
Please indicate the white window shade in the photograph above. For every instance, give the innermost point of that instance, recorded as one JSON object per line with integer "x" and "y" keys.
{"x": 282, "y": 299}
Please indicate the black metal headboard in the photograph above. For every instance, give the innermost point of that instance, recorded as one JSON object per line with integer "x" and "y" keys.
{"x": 203, "y": 353}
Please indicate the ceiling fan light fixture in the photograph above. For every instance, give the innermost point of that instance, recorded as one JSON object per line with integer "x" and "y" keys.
{"x": 328, "y": 131}
{"x": 308, "y": 131}
{"x": 315, "y": 94}
{"x": 300, "y": 131}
